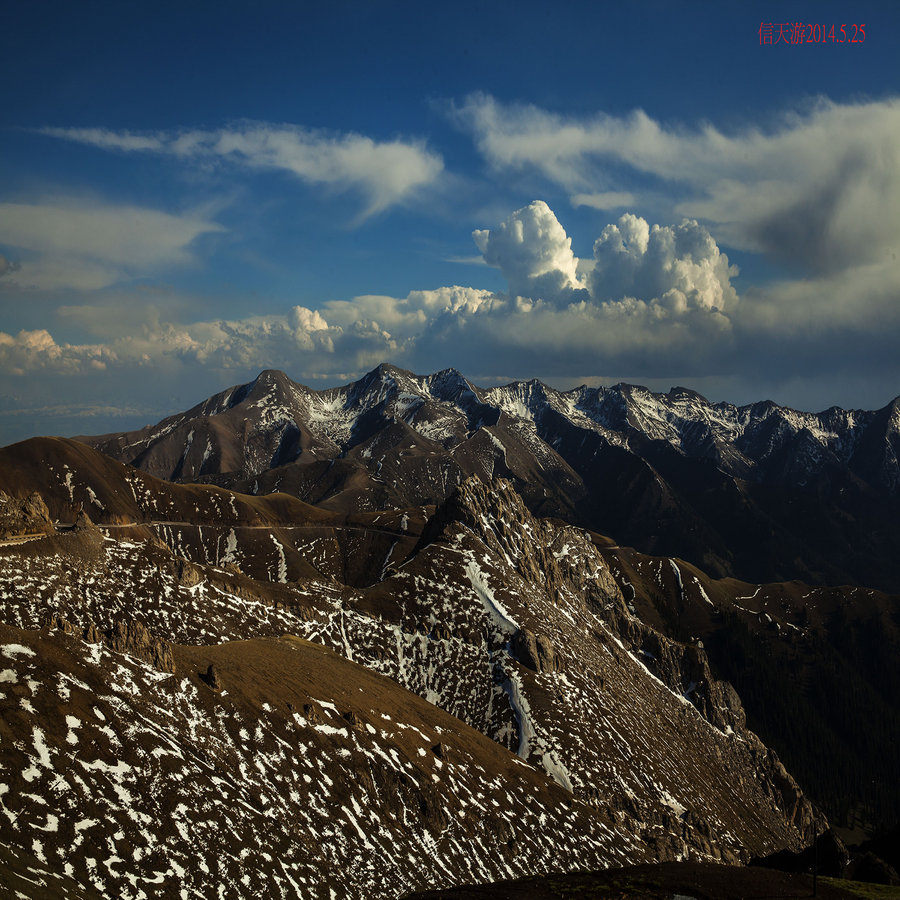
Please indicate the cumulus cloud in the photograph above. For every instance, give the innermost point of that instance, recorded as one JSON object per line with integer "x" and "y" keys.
{"x": 656, "y": 296}
{"x": 87, "y": 246}
{"x": 229, "y": 344}
{"x": 819, "y": 189}
{"x": 402, "y": 320}
{"x": 219, "y": 344}
{"x": 673, "y": 268}
{"x": 533, "y": 252}
{"x": 34, "y": 351}
{"x": 680, "y": 267}
{"x": 341, "y": 336}
{"x": 384, "y": 172}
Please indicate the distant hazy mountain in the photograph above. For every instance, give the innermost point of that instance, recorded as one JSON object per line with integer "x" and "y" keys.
{"x": 760, "y": 492}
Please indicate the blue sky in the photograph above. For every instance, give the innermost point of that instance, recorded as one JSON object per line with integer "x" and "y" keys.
{"x": 190, "y": 193}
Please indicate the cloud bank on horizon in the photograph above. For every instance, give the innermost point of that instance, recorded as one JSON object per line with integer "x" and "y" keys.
{"x": 815, "y": 194}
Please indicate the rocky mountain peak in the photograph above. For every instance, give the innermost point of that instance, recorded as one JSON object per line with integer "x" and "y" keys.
{"x": 383, "y": 378}
{"x": 680, "y": 394}
{"x": 271, "y": 386}
{"x": 622, "y": 460}
{"x": 449, "y": 385}
{"x": 271, "y": 376}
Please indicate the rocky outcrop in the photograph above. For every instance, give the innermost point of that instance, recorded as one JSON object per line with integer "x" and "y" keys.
{"x": 126, "y": 636}
{"x": 22, "y": 517}
{"x": 537, "y": 548}
{"x": 535, "y": 651}
{"x": 212, "y": 677}
{"x": 131, "y": 637}
{"x": 187, "y": 573}
{"x": 683, "y": 667}
{"x": 83, "y": 522}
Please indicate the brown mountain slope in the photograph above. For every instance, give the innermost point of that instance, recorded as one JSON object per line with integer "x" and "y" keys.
{"x": 70, "y": 475}
{"x": 565, "y": 750}
{"x": 818, "y": 670}
{"x": 274, "y": 537}
{"x": 759, "y": 492}
{"x": 296, "y": 774}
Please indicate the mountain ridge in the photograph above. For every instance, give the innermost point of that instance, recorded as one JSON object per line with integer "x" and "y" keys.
{"x": 733, "y": 489}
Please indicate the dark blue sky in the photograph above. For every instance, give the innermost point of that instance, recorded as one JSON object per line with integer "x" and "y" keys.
{"x": 190, "y": 192}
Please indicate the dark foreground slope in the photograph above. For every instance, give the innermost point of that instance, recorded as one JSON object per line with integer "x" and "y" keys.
{"x": 818, "y": 670}
{"x": 759, "y": 492}
{"x": 476, "y": 712}
{"x": 662, "y": 882}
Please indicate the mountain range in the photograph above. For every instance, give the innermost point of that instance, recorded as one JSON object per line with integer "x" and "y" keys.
{"x": 371, "y": 640}
{"x": 759, "y": 492}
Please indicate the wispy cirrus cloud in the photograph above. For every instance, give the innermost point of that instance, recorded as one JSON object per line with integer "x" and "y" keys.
{"x": 385, "y": 173}
{"x": 604, "y": 200}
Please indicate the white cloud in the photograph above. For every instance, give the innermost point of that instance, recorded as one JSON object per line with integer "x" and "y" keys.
{"x": 533, "y": 252}
{"x": 605, "y": 200}
{"x": 106, "y": 139}
{"x": 662, "y": 295}
{"x": 474, "y": 260}
{"x": 820, "y": 188}
{"x": 343, "y": 335}
{"x": 405, "y": 318}
{"x": 123, "y": 235}
{"x": 582, "y": 334}
{"x": 33, "y": 351}
{"x": 680, "y": 267}
{"x": 140, "y": 340}
{"x": 656, "y": 302}
{"x": 87, "y": 246}
{"x": 673, "y": 268}
{"x": 384, "y": 172}
{"x": 45, "y": 273}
